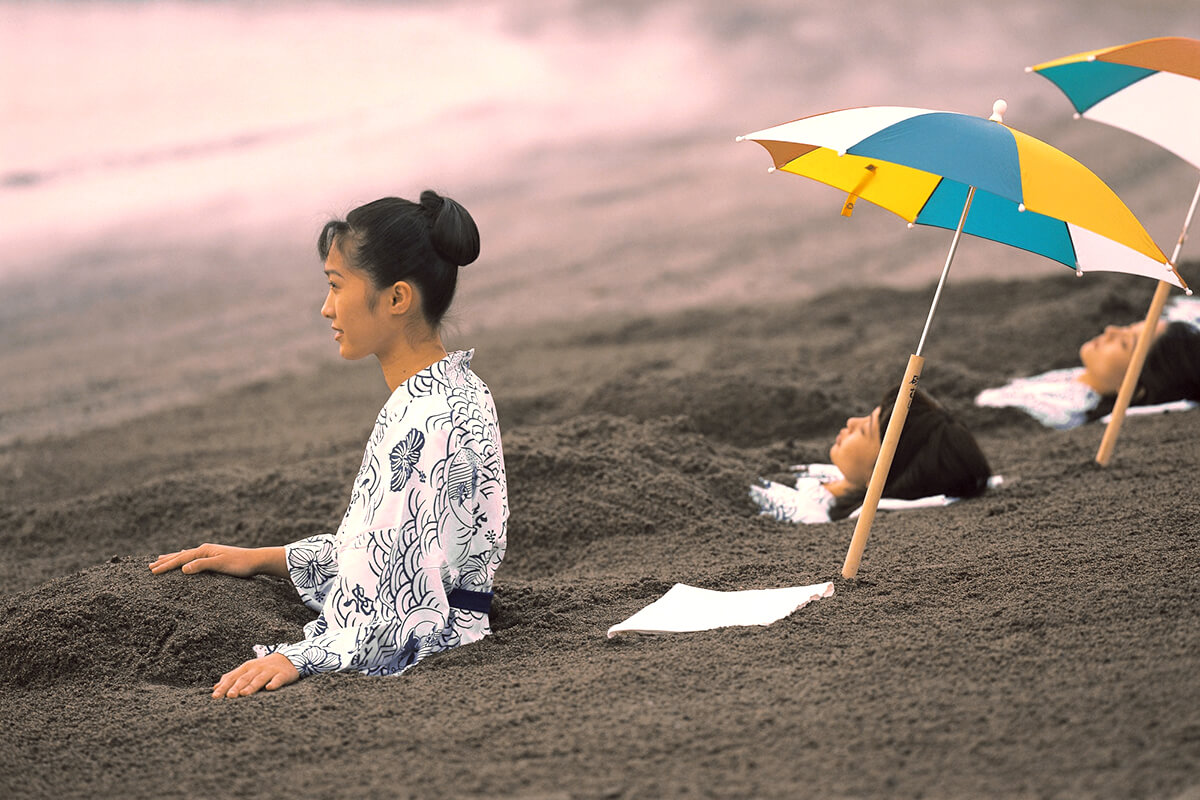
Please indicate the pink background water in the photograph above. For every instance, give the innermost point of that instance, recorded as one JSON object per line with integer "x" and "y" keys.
{"x": 164, "y": 166}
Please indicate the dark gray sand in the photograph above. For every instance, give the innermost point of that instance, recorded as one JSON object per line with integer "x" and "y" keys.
{"x": 1041, "y": 641}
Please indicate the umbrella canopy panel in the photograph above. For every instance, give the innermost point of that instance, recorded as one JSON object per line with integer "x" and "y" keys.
{"x": 1150, "y": 88}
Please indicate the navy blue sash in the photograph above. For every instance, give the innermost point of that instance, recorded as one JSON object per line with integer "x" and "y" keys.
{"x": 468, "y": 600}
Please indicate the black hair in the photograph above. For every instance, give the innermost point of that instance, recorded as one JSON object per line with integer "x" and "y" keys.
{"x": 393, "y": 240}
{"x": 936, "y": 454}
{"x": 1171, "y": 371}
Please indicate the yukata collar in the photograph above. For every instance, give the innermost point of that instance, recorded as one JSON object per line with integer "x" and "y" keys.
{"x": 450, "y": 370}
{"x": 457, "y": 360}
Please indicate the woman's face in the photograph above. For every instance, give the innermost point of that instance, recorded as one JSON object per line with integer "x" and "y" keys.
{"x": 856, "y": 447}
{"x": 1106, "y": 357}
{"x": 357, "y": 314}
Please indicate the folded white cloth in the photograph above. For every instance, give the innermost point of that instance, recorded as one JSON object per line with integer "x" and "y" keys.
{"x": 1157, "y": 408}
{"x": 688, "y": 608}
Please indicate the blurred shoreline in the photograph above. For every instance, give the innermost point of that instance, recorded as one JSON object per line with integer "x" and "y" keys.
{"x": 166, "y": 255}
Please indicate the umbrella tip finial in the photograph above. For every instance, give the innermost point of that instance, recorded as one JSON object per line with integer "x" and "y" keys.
{"x": 1078, "y": 273}
{"x": 998, "y": 110}
{"x": 1188, "y": 291}
{"x": 739, "y": 138}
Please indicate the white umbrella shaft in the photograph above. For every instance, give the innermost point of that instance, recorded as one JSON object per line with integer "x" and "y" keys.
{"x": 1187, "y": 223}
{"x": 946, "y": 269}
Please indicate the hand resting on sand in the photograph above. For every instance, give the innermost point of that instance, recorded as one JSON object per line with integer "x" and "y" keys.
{"x": 241, "y": 562}
{"x": 268, "y": 672}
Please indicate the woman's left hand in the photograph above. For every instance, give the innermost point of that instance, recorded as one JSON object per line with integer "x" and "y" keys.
{"x": 269, "y": 672}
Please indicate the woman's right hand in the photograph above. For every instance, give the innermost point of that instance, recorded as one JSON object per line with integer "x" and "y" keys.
{"x": 239, "y": 561}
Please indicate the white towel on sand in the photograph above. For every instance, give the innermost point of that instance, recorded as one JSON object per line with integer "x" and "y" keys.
{"x": 688, "y": 608}
{"x": 932, "y": 501}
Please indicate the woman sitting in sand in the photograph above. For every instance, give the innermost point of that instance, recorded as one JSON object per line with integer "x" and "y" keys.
{"x": 409, "y": 571}
{"x": 936, "y": 455}
{"x": 1067, "y": 398}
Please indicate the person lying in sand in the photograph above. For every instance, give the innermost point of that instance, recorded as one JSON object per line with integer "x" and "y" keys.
{"x": 409, "y": 571}
{"x": 936, "y": 455}
{"x": 1068, "y": 398}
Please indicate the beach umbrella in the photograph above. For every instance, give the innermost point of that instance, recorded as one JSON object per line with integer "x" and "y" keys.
{"x": 1150, "y": 88}
{"x": 969, "y": 175}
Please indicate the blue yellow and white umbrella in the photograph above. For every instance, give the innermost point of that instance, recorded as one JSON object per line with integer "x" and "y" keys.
{"x": 921, "y": 164}
{"x": 971, "y": 175}
{"x": 1150, "y": 88}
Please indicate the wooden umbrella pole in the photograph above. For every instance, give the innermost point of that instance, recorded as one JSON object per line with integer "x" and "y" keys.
{"x": 1134, "y": 371}
{"x": 908, "y": 388}
{"x": 887, "y": 450}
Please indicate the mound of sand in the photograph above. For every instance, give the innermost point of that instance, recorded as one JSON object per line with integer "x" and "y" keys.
{"x": 1042, "y": 640}
{"x": 117, "y": 622}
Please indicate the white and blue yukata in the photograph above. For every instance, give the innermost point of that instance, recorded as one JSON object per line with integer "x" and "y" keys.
{"x": 809, "y": 502}
{"x": 1057, "y": 399}
{"x": 409, "y": 571}
{"x": 1183, "y": 309}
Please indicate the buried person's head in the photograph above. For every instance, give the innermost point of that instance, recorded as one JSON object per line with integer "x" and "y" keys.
{"x": 1105, "y": 357}
{"x": 1171, "y": 371}
{"x": 936, "y": 454}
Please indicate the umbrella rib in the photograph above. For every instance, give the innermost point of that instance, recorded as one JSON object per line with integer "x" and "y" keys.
{"x": 1187, "y": 223}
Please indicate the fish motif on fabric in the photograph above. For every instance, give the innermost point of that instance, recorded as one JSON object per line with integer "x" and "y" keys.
{"x": 462, "y": 476}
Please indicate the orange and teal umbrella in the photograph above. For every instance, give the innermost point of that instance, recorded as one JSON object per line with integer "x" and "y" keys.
{"x": 969, "y": 175}
{"x": 1150, "y": 88}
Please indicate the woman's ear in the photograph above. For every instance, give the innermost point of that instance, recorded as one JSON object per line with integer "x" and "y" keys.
{"x": 400, "y": 298}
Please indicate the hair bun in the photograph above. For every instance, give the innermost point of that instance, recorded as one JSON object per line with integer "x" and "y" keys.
{"x": 432, "y": 202}
{"x": 454, "y": 234}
